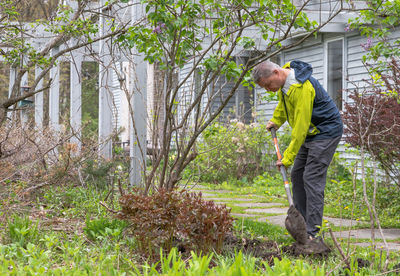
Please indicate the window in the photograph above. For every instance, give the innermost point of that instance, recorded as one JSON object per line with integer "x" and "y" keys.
{"x": 240, "y": 106}
{"x": 334, "y": 70}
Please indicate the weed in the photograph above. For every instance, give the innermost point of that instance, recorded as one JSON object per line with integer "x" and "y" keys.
{"x": 101, "y": 228}
{"x": 22, "y": 230}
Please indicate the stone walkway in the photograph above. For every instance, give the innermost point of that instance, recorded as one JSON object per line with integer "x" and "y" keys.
{"x": 275, "y": 213}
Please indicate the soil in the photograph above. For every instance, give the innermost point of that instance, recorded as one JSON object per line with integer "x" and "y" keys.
{"x": 360, "y": 264}
{"x": 266, "y": 250}
{"x": 316, "y": 248}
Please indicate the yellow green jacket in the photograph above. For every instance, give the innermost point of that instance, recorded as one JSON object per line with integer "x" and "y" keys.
{"x": 309, "y": 110}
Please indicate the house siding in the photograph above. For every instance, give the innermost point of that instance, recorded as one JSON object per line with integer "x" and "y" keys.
{"x": 311, "y": 52}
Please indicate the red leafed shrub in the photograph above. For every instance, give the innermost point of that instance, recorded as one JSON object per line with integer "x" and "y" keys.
{"x": 203, "y": 223}
{"x": 372, "y": 120}
{"x": 164, "y": 217}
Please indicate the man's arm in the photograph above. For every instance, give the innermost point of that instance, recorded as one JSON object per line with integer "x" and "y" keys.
{"x": 279, "y": 116}
{"x": 303, "y": 99}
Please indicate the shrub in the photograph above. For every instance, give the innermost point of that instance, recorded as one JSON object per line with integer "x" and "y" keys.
{"x": 203, "y": 223}
{"x": 372, "y": 119}
{"x": 160, "y": 219}
{"x": 234, "y": 151}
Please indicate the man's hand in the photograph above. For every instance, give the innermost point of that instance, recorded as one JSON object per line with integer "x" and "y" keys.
{"x": 279, "y": 164}
{"x": 271, "y": 125}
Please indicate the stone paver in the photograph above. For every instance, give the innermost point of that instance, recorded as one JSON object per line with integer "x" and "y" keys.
{"x": 228, "y": 199}
{"x": 280, "y": 220}
{"x": 277, "y": 220}
{"x": 268, "y": 210}
{"x": 243, "y": 215}
{"x": 390, "y": 234}
{"x": 212, "y": 191}
{"x": 342, "y": 221}
{"x": 207, "y": 194}
{"x": 380, "y": 245}
{"x": 257, "y": 204}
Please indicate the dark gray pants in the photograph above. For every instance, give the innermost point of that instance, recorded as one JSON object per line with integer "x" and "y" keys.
{"x": 309, "y": 179}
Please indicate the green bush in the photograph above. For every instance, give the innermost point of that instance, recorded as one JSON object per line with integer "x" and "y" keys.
{"x": 234, "y": 152}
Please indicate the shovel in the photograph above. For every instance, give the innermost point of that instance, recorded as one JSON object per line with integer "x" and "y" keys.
{"x": 294, "y": 223}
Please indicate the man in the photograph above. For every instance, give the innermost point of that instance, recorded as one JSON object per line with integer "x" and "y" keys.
{"x": 316, "y": 131}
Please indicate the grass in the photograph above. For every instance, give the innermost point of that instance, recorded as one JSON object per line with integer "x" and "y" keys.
{"x": 246, "y": 226}
{"x": 65, "y": 231}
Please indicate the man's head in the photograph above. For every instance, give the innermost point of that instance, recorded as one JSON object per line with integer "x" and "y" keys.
{"x": 269, "y": 76}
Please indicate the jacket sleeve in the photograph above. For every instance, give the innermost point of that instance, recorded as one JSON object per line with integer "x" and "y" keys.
{"x": 302, "y": 99}
{"x": 279, "y": 116}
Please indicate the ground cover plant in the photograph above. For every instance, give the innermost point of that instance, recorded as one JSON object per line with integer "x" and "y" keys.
{"x": 89, "y": 240}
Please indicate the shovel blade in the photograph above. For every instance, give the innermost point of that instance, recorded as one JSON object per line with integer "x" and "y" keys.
{"x": 296, "y": 225}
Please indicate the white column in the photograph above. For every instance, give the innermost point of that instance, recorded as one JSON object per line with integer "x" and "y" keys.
{"x": 23, "y": 111}
{"x": 13, "y": 76}
{"x": 105, "y": 98}
{"x": 39, "y": 101}
{"x": 138, "y": 78}
{"x": 138, "y": 125}
{"x": 76, "y": 98}
{"x": 54, "y": 94}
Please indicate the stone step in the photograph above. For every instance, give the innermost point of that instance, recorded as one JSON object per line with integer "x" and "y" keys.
{"x": 257, "y": 204}
{"x": 390, "y": 234}
{"x": 267, "y": 210}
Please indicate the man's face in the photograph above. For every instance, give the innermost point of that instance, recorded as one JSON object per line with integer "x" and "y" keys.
{"x": 273, "y": 82}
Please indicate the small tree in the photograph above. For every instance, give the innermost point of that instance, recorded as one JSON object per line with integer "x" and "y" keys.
{"x": 379, "y": 105}
{"x": 217, "y": 42}
{"x": 372, "y": 125}
{"x": 372, "y": 121}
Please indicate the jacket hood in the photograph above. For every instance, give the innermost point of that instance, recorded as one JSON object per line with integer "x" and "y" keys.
{"x": 302, "y": 70}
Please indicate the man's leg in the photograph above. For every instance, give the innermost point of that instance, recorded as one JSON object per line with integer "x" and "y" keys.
{"x": 320, "y": 153}
{"x": 299, "y": 193}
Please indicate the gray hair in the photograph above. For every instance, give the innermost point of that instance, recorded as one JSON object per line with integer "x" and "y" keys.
{"x": 264, "y": 70}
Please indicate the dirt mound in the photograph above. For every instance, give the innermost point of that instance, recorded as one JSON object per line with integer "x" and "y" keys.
{"x": 315, "y": 248}
{"x": 266, "y": 250}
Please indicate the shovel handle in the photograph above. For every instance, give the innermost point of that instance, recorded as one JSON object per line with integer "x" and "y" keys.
{"x": 282, "y": 168}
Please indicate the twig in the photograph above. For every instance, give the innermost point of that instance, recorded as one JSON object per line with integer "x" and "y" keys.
{"x": 336, "y": 267}
{"x": 121, "y": 191}
{"x": 81, "y": 178}
{"x": 107, "y": 208}
{"x": 345, "y": 259}
{"x": 397, "y": 270}
{"x": 108, "y": 194}
{"x": 34, "y": 187}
